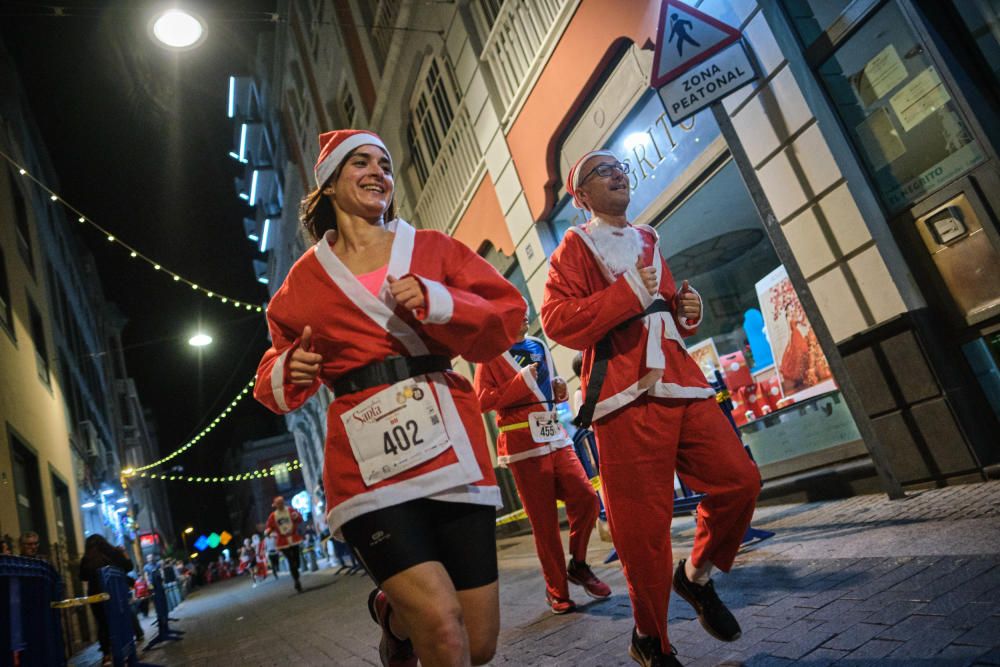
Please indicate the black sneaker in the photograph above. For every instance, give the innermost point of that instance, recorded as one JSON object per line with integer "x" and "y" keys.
{"x": 714, "y": 616}
{"x": 647, "y": 652}
{"x": 298, "y": 586}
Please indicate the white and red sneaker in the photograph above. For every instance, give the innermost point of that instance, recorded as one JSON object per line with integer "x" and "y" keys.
{"x": 393, "y": 651}
{"x": 559, "y": 605}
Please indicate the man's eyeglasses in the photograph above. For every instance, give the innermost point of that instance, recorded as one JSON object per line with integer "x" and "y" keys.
{"x": 605, "y": 169}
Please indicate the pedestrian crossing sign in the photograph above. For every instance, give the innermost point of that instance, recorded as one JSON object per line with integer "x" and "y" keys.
{"x": 685, "y": 37}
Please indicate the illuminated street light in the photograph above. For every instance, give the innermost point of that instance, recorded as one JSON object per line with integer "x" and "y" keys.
{"x": 189, "y": 530}
{"x": 200, "y": 340}
{"x": 177, "y": 29}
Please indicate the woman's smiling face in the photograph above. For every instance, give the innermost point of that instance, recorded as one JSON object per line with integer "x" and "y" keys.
{"x": 364, "y": 184}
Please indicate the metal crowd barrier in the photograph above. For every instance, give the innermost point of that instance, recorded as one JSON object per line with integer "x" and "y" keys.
{"x": 30, "y": 629}
{"x": 119, "y": 613}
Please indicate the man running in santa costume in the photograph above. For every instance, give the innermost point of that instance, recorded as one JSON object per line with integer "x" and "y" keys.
{"x": 284, "y": 524}
{"x": 609, "y": 293}
{"x": 522, "y": 387}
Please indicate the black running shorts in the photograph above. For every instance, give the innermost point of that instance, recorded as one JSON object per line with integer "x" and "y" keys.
{"x": 460, "y": 536}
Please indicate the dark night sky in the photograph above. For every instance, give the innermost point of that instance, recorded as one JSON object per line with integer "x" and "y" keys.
{"x": 139, "y": 138}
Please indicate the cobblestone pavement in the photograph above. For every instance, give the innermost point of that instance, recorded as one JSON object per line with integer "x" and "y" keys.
{"x": 862, "y": 581}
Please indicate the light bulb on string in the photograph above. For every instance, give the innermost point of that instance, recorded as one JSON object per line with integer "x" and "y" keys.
{"x": 82, "y": 219}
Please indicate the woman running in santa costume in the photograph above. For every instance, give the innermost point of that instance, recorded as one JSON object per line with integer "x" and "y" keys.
{"x": 375, "y": 311}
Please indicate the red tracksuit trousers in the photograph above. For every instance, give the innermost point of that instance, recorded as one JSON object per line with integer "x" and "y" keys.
{"x": 641, "y": 446}
{"x": 541, "y": 481}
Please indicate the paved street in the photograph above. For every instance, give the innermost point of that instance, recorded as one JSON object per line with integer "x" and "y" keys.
{"x": 853, "y": 582}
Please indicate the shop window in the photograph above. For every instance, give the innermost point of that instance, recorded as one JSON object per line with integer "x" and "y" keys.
{"x": 754, "y": 330}
{"x": 811, "y": 18}
{"x": 982, "y": 19}
{"x": 897, "y": 111}
{"x": 38, "y": 338}
{"x": 6, "y": 316}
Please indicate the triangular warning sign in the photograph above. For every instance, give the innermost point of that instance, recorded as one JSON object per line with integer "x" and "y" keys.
{"x": 686, "y": 37}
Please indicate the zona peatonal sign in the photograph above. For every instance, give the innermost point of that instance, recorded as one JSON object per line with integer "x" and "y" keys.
{"x": 698, "y": 60}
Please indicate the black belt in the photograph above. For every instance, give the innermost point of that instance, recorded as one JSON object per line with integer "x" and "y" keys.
{"x": 598, "y": 371}
{"x": 389, "y": 371}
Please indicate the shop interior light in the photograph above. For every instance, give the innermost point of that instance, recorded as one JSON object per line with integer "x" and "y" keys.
{"x": 88, "y": 505}
{"x": 231, "y": 109}
{"x": 107, "y": 492}
{"x": 635, "y": 139}
{"x": 123, "y": 499}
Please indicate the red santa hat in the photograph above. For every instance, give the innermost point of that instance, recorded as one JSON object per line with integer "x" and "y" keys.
{"x": 335, "y": 146}
{"x": 574, "y": 176}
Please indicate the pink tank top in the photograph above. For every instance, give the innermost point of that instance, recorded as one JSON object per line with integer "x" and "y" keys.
{"x": 373, "y": 281}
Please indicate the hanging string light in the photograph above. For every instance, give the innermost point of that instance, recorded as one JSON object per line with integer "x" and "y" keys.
{"x": 260, "y": 473}
{"x": 132, "y": 252}
{"x": 131, "y": 472}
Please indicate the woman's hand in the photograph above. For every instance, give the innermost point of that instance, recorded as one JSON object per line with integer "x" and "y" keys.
{"x": 304, "y": 364}
{"x": 407, "y": 292}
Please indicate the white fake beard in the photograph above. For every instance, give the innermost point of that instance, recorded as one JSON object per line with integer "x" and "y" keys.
{"x": 620, "y": 247}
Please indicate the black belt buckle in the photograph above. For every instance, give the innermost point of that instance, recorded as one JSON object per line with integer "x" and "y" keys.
{"x": 397, "y": 368}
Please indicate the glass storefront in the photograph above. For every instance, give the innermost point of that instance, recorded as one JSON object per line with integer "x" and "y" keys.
{"x": 755, "y": 333}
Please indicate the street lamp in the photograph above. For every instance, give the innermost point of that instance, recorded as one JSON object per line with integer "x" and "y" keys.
{"x": 177, "y": 29}
{"x": 187, "y": 531}
{"x": 200, "y": 339}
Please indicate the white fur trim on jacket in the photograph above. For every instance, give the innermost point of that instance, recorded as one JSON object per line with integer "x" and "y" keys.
{"x": 440, "y": 305}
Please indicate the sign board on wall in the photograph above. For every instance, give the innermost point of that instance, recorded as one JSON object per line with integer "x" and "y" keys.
{"x": 698, "y": 60}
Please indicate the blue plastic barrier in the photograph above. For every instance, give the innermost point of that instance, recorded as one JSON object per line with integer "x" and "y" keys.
{"x": 162, "y": 606}
{"x": 119, "y": 614}
{"x": 30, "y": 630}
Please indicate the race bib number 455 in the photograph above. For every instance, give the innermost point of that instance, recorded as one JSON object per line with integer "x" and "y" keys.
{"x": 395, "y": 430}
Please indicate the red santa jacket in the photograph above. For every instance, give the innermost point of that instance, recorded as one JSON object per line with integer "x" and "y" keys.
{"x": 583, "y": 301}
{"x": 502, "y": 385}
{"x": 284, "y": 525}
{"x": 471, "y": 311}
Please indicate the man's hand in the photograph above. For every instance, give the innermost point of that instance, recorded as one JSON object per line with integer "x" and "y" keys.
{"x": 688, "y": 303}
{"x": 533, "y": 370}
{"x": 407, "y": 292}
{"x": 648, "y": 276}
{"x": 559, "y": 391}
{"x": 304, "y": 364}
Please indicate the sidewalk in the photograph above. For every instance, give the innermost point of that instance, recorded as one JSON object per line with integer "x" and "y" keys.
{"x": 862, "y": 581}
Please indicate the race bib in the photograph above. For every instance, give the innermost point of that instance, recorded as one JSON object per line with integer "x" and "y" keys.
{"x": 545, "y": 427}
{"x": 395, "y": 430}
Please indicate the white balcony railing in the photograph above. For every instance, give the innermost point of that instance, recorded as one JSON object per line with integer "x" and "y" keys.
{"x": 522, "y": 35}
{"x": 451, "y": 179}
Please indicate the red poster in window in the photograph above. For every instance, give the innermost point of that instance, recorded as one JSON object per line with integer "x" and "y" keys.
{"x": 802, "y": 367}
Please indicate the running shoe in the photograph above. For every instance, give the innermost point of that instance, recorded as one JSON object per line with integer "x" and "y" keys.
{"x": 581, "y": 575}
{"x": 713, "y": 614}
{"x": 560, "y": 605}
{"x": 394, "y": 652}
{"x": 647, "y": 652}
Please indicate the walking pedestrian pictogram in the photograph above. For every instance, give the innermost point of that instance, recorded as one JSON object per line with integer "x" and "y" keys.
{"x": 696, "y": 36}
{"x": 678, "y": 29}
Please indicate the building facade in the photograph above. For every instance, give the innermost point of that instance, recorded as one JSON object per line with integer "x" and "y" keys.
{"x": 838, "y": 214}
{"x": 64, "y": 427}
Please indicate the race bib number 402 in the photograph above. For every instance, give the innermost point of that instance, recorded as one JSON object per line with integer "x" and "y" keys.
{"x": 395, "y": 430}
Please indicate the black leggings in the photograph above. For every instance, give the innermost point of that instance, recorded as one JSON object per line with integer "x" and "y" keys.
{"x": 461, "y": 536}
{"x": 292, "y": 554}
